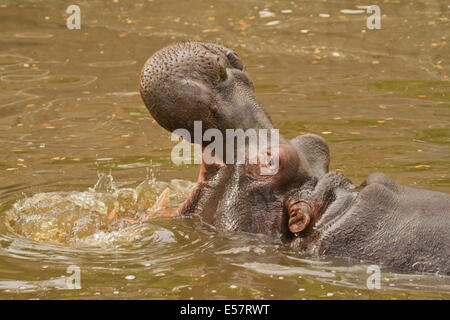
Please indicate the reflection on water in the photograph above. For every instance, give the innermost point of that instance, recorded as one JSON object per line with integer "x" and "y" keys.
{"x": 70, "y": 107}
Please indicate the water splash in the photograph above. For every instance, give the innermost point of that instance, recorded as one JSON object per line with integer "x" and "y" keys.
{"x": 84, "y": 219}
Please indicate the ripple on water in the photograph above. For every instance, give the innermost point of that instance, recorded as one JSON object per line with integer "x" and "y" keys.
{"x": 34, "y": 35}
{"x": 112, "y": 64}
{"x": 276, "y": 269}
{"x": 25, "y": 76}
{"x": 11, "y": 60}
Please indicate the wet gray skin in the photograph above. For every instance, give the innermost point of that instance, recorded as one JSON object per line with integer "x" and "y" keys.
{"x": 302, "y": 205}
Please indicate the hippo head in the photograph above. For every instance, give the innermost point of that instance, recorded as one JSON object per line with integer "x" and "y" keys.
{"x": 197, "y": 81}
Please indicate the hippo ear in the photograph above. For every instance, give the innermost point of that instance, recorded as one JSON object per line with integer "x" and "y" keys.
{"x": 315, "y": 151}
{"x": 179, "y": 103}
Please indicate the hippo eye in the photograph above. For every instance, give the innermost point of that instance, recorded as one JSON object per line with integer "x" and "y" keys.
{"x": 266, "y": 167}
{"x": 270, "y": 167}
{"x": 268, "y": 161}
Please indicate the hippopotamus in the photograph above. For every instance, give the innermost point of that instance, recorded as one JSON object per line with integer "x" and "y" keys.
{"x": 302, "y": 204}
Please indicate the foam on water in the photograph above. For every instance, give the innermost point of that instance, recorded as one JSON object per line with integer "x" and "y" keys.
{"x": 82, "y": 219}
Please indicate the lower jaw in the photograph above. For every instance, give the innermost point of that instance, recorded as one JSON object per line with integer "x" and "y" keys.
{"x": 187, "y": 206}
